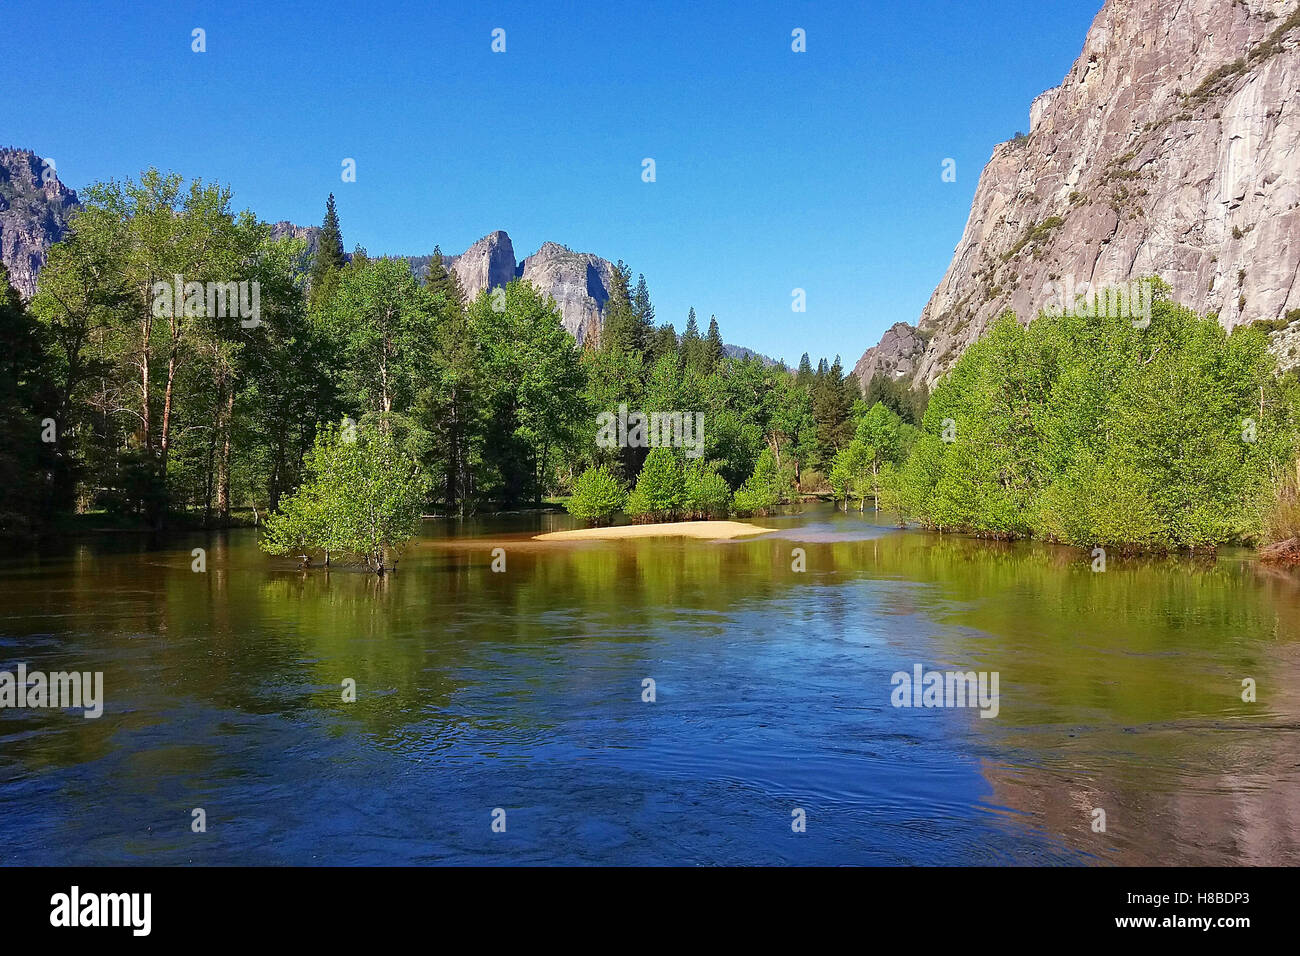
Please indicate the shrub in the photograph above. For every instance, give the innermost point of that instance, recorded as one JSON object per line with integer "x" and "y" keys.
{"x": 761, "y": 491}
{"x": 597, "y": 496}
{"x": 660, "y": 488}
{"x": 707, "y": 493}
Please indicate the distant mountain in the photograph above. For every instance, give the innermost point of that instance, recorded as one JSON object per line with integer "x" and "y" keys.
{"x": 35, "y": 209}
{"x": 1171, "y": 148}
{"x": 34, "y": 212}
{"x": 579, "y": 282}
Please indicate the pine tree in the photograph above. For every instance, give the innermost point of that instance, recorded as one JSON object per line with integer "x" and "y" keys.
{"x": 805, "y": 374}
{"x": 664, "y": 342}
{"x": 329, "y": 257}
{"x": 691, "y": 342}
{"x": 713, "y": 351}
{"x": 441, "y": 279}
{"x": 621, "y": 331}
{"x": 645, "y": 311}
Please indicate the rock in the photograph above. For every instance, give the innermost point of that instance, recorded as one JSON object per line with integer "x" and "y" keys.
{"x": 1171, "y": 148}
{"x": 896, "y": 356}
{"x": 34, "y": 212}
{"x": 579, "y": 282}
{"x": 488, "y": 263}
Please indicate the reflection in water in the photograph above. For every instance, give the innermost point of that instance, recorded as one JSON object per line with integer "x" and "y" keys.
{"x": 522, "y": 690}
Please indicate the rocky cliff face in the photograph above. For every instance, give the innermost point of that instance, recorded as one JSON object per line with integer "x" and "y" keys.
{"x": 488, "y": 263}
{"x": 34, "y": 211}
{"x": 579, "y": 282}
{"x": 1171, "y": 148}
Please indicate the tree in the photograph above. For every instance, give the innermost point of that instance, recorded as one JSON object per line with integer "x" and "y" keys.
{"x": 707, "y": 494}
{"x": 692, "y": 356}
{"x": 111, "y": 303}
{"x": 383, "y": 329}
{"x": 25, "y": 409}
{"x": 660, "y": 489}
{"x": 832, "y": 404}
{"x": 329, "y": 257}
{"x": 442, "y": 281}
{"x": 804, "y": 376}
{"x": 362, "y": 497}
{"x": 1090, "y": 430}
{"x": 761, "y": 492}
{"x": 531, "y": 376}
{"x": 597, "y": 496}
{"x": 713, "y": 352}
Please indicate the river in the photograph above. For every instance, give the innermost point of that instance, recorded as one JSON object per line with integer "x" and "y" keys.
{"x": 520, "y": 697}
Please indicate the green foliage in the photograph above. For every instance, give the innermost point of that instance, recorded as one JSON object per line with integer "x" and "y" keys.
{"x": 362, "y": 496}
{"x": 597, "y": 496}
{"x": 26, "y": 404}
{"x": 329, "y": 257}
{"x": 1089, "y": 431}
{"x": 660, "y": 490}
{"x": 707, "y": 494}
{"x": 761, "y": 492}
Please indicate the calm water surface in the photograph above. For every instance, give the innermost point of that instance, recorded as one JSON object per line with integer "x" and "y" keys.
{"x": 522, "y": 690}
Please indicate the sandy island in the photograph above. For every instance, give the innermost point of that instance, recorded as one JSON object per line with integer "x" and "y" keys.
{"x": 713, "y": 530}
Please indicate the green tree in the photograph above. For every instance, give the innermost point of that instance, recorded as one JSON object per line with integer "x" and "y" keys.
{"x": 383, "y": 329}
{"x": 660, "y": 488}
{"x": 329, "y": 257}
{"x": 597, "y": 496}
{"x": 761, "y": 492}
{"x": 362, "y": 497}
{"x": 707, "y": 494}
{"x": 712, "y": 351}
{"x": 26, "y": 407}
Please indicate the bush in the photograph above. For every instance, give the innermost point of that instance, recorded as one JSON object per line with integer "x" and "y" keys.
{"x": 597, "y": 496}
{"x": 761, "y": 491}
{"x": 707, "y": 492}
{"x": 660, "y": 488}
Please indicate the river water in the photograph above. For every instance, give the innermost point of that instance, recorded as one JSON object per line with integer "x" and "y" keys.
{"x": 522, "y": 691}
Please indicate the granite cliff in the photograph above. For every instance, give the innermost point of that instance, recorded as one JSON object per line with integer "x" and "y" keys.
{"x": 1171, "y": 148}
{"x": 34, "y": 211}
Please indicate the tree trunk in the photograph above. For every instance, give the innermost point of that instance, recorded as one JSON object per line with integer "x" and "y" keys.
{"x": 223, "y": 461}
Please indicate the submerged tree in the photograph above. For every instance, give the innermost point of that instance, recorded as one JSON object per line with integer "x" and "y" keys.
{"x": 362, "y": 496}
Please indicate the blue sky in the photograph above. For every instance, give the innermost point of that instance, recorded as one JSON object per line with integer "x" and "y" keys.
{"x": 775, "y": 170}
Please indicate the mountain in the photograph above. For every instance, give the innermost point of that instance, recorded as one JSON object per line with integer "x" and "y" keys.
{"x": 35, "y": 208}
{"x": 1171, "y": 148}
{"x": 34, "y": 211}
{"x": 579, "y": 282}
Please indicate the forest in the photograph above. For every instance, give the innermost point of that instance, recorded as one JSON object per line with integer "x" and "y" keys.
{"x": 128, "y": 408}
{"x": 362, "y": 397}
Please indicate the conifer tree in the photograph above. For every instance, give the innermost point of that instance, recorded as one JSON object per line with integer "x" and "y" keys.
{"x": 691, "y": 353}
{"x": 805, "y": 374}
{"x": 329, "y": 257}
{"x": 713, "y": 351}
{"x": 441, "y": 279}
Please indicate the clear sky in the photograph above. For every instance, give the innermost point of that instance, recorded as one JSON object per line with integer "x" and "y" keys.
{"x": 775, "y": 170}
